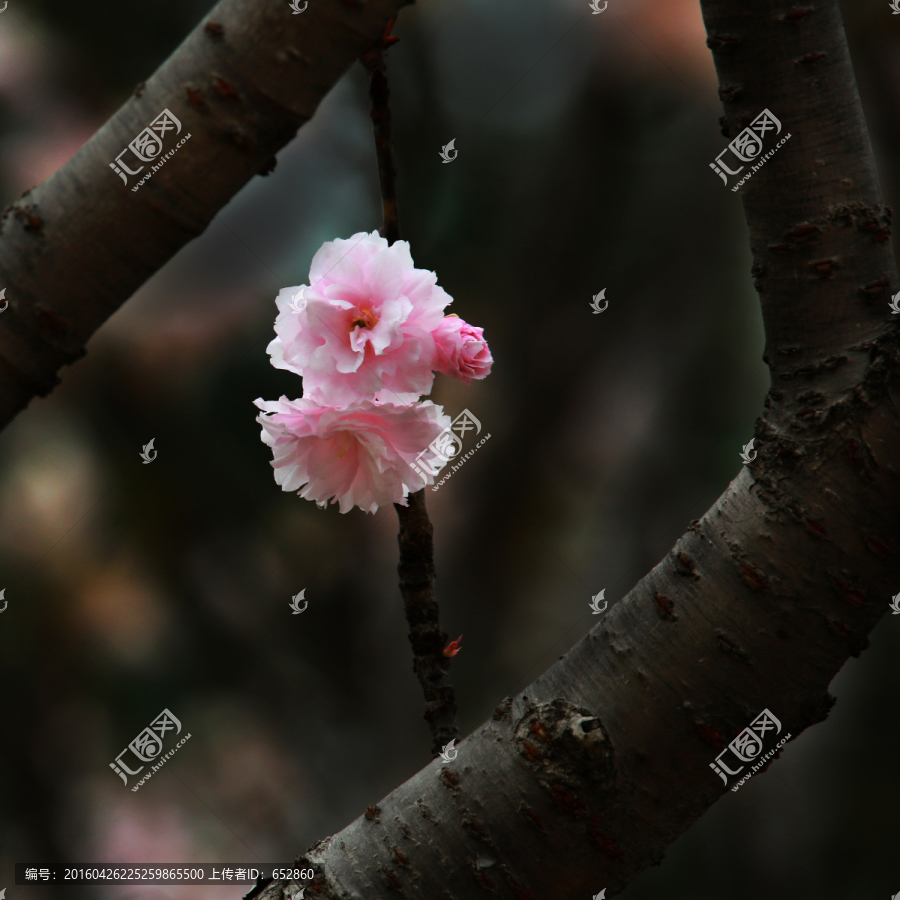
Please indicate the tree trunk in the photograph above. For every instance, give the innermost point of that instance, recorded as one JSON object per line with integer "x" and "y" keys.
{"x": 584, "y": 779}
{"x": 75, "y": 248}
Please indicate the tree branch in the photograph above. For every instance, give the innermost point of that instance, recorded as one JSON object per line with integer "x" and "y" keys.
{"x": 379, "y": 93}
{"x": 585, "y": 778}
{"x": 416, "y": 567}
{"x": 417, "y": 575}
{"x": 75, "y": 248}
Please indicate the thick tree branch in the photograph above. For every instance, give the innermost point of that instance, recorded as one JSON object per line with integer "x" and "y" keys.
{"x": 75, "y": 248}
{"x": 584, "y": 779}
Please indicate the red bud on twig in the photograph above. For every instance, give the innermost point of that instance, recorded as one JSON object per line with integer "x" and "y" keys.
{"x": 452, "y": 648}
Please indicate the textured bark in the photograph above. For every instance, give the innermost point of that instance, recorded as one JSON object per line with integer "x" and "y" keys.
{"x": 417, "y": 575}
{"x": 75, "y": 248}
{"x": 584, "y": 779}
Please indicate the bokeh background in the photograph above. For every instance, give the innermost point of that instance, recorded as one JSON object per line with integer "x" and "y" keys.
{"x": 584, "y": 143}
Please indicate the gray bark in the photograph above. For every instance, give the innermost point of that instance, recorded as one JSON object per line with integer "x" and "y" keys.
{"x": 75, "y": 248}
{"x": 583, "y": 780}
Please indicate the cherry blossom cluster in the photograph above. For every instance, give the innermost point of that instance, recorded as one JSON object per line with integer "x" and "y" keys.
{"x": 367, "y": 335}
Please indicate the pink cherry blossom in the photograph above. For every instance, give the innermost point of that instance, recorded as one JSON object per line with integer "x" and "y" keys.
{"x": 360, "y": 455}
{"x": 362, "y": 327}
{"x": 462, "y": 351}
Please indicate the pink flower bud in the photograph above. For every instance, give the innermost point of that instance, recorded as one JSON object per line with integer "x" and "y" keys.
{"x": 462, "y": 351}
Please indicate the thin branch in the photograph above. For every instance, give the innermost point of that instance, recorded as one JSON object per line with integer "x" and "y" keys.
{"x": 380, "y": 94}
{"x": 417, "y": 574}
{"x": 416, "y": 567}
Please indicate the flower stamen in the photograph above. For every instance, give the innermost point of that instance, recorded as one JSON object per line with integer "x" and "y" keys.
{"x": 365, "y": 319}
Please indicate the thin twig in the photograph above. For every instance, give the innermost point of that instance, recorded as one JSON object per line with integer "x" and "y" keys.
{"x": 416, "y": 568}
{"x": 417, "y": 574}
{"x": 379, "y": 94}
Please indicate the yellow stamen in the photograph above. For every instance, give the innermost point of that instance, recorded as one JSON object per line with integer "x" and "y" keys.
{"x": 365, "y": 319}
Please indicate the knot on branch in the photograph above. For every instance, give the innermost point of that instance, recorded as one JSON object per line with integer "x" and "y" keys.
{"x": 566, "y": 745}
{"x": 27, "y": 215}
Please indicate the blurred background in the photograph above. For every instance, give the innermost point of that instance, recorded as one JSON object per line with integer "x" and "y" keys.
{"x": 584, "y": 143}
